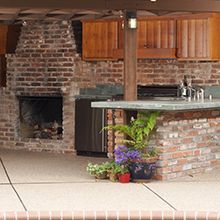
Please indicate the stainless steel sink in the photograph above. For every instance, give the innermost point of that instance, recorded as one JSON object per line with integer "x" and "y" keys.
{"x": 163, "y": 98}
{"x": 168, "y": 98}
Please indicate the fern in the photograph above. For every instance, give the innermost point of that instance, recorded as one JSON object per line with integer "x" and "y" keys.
{"x": 138, "y": 130}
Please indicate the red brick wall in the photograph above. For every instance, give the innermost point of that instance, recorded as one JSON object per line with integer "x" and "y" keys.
{"x": 163, "y": 72}
{"x": 172, "y": 71}
{"x": 188, "y": 143}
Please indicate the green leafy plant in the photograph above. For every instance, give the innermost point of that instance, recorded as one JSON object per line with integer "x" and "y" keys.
{"x": 120, "y": 169}
{"x": 114, "y": 169}
{"x": 98, "y": 170}
{"x": 109, "y": 168}
{"x": 138, "y": 131}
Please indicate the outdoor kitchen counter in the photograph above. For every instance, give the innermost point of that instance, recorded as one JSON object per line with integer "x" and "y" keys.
{"x": 160, "y": 105}
{"x": 187, "y": 134}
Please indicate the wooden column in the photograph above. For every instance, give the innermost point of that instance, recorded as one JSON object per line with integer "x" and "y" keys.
{"x": 130, "y": 59}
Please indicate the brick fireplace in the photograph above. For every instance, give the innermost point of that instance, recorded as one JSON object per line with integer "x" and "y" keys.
{"x": 40, "y": 117}
{"x": 37, "y": 105}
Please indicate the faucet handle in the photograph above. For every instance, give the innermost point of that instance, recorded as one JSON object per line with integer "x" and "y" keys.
{"x": 181, "y": 84}
{"x": 200, "y": 94}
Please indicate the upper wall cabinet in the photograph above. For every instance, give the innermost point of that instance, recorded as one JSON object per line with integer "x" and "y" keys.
{"x": 156, "y": 38}
{"x": 100, "y": 38}
{"x": 156, "y": 33}
{"x": 104, "y": 39}
{"x": 9, "y": 35}
{"x": 187, "y": 37}
{"x": 198, "y": 37}
{"x": 2, "y": 71}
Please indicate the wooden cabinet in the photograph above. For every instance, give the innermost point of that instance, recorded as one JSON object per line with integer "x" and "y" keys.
{"x": 198, "y": 37}
{"x": 9, "y": 35}
{"x": 156, "y": 38}
{"x": 157, "y": 33}
{"x": 2, "y": 71}
{"x": 187, "y": 37}
{"x": 100, "y": 38}
{"x": 104, "y": 40}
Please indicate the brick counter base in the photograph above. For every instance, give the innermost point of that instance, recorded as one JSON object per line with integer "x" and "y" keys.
{"x": 110, "y": 215}
{"x": 189, "y": 143}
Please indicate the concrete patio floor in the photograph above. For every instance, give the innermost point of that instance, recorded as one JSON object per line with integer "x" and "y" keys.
{"x": 43, "y": 181}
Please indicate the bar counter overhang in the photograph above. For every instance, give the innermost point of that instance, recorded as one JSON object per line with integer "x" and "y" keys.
{"x": 160, "y": 105}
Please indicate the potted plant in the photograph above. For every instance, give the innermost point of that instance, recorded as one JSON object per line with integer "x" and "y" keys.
{"x": 109, "y": 169}
{"x": 99, "y": 171}
{"x": 112, "y": 172}
{"x": 123, "y": 157}
{"x": 136, "y": 137}
{"x": 123, "y": 173}
{"x": 119, "y": 172}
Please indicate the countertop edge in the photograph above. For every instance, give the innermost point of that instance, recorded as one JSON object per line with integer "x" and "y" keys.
{"x": 158, "y": 105}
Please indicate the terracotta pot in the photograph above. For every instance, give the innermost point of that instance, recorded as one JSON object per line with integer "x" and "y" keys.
{"x": 124, "y": 178}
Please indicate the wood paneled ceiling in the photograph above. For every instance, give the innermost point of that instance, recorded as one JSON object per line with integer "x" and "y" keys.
{"x": 15, "y": 11}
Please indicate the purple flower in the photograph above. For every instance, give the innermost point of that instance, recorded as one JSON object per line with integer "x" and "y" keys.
{"x": 124, "y": 155}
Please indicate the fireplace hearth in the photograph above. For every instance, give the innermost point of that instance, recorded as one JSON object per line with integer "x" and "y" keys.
{"x": 41, "y": 117}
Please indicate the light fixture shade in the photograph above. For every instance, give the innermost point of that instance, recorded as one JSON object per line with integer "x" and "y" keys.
{"x": 132, "y": 23}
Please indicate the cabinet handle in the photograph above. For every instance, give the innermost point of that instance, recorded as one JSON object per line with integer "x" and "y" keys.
{"x": 178, "y": 53}
{"x": 147, "y": 45}
{"x": 103, "y": 133}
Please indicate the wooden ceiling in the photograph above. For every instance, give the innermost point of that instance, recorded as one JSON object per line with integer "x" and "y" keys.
{"x": 15, "y": 11}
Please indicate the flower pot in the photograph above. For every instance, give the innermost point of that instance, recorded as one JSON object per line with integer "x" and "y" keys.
{"x": 142, "y": 170}
{"x": 101, "y": 176}
{"x": 124, "y": 178}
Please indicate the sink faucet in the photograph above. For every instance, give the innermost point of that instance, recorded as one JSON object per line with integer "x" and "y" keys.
{"x": 191, "y": 93}
{"x": 181, "y": 90}
{"x": 187, "y": 91}
{"x": 200, "y": 94}
{"x": 185, "y": 88}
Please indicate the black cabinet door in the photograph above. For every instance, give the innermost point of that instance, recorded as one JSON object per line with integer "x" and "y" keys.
{"x": 88, "y": 124}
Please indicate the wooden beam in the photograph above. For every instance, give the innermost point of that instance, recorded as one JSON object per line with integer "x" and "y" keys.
{"x": 54, "y": 4}
{"x": 130, "y": 61}
{"x": 159, "y": 5}
{"x": 166, "y": 5}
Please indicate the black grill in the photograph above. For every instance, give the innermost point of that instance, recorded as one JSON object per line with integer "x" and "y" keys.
{"x": 157, "y": 91}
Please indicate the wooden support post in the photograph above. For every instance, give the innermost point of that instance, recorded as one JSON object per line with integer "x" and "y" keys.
{"x": 130, "y": 59}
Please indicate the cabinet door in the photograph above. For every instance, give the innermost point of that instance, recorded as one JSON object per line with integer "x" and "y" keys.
{"x": 2, "y": 71}
{"x": 88, "y": 124}
{"x": 193, "y": 39}
{"x": 154, "y": 33}
{"x": 9, "y": 35}
{"x": 156, "y": 38}
{"x": 100, "y": 38}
